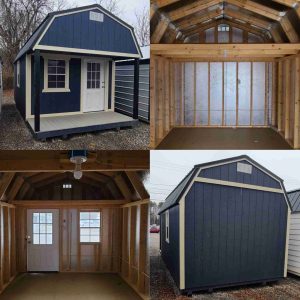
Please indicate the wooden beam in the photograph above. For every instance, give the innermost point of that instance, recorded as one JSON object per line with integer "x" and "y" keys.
{"x": 297, "y": 105}
{"x": 163, "y": 3}
{"x": 289, "y": 3}
{"x": 138, "y": 185}
{"x": 68, "y": 203}
{"x": 280, "y": 95}
{"x": 18, "y": 182}
{"x": 135, "y": 203}
{"x": 153, "y": 100}
{"x": 58, "y": 161}
{"x": 289, "y": 30}
{"x": 4, "y": 183}
{"x": 287, "y": 99}
{"x": 159, "y": 31}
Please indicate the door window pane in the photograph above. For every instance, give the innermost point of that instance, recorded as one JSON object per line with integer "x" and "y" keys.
{"x": 93, "y": 75}
{"x": 42, "y": 228}
{"x": 89, "y": 227}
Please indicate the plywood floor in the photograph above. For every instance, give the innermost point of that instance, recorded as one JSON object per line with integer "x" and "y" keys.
{"x": 62, "y": 286}
{"x": 80, "y": 120}
{"x": 223, "y": 138}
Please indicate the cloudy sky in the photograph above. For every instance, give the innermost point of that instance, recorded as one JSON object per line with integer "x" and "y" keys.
{"x": 127, "y": 7}
{"x": 169, "y": 167}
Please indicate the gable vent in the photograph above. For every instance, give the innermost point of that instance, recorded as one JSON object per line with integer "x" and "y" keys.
{"x": 244, "y": 168}
{"x": 98, "y": 17}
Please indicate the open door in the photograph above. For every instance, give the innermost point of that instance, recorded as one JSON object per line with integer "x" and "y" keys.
{"x": 42, "y": 240}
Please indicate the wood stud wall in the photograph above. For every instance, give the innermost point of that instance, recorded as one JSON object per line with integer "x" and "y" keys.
{"x": 7, "y": 245}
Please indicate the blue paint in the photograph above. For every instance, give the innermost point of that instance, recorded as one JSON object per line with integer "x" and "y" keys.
{"x": 60, "y": 102}
{"x": 82, "y": 33}
{"x": 20, "y": 92}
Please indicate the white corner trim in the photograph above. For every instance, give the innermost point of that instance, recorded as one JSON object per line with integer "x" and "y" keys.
{"x": 85, "y": 51}
{"x": 237, "y": 184}
{"x": 287, "y": 242}
{"x": 18, "y": 74}
{"x": 37, "y": 44}
{"x": 182, "y": 243}
{"x": 167, "y": 226}
{"x": 28, "y": 86}
{"x": 113, "y": 85}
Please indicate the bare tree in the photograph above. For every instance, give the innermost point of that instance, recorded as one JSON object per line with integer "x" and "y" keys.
{"x": 142, "y": 27}
{"x": 18, "y": 19}
{"x": 112, "y": 6}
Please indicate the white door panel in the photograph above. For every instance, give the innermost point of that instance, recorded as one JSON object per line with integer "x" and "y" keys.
{"x": 42, "y": 240}
{"x": 93, "y": 85}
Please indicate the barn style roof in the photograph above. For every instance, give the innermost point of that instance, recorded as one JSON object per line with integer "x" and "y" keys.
{"x": 175, "y": 196}
{"x": 44, "y": 26}
{"x": 294, "y": 199}
{"x": 116, "y": 176}
{"x": 178, "y": 20}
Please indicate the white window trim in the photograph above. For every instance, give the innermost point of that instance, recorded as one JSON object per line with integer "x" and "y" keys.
{"x": 18, "y": 74}
{"x": 167, "y": 220}
{"x": 66, "y": 89}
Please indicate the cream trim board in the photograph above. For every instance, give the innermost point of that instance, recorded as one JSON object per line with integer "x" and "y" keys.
{"x": 84, "y": 51}
{"x": 113, "y": 85}
{"x": 28, "y": 86}
{"x": 167, "y": 226}
{"x": 182, "y": 243}
{"x": 46, "y": 89}
{"x": 82, "y": 10}
{"x": 237, "y": 184}
{"x": 18, "y": 74}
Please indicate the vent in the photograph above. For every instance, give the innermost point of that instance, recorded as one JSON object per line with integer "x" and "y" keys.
{"x": 98, "y": 17}
{"x": 244, "y": 168}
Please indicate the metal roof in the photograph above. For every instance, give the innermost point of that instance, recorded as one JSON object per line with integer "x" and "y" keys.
{"x": 175, "y": 196}
{"x": 294, "y": 199}
{"x": 30, "y": 43}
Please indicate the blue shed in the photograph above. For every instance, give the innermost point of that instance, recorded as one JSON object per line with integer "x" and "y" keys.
{"x": 65, "y": 72}
{"x": 225, "y": 224}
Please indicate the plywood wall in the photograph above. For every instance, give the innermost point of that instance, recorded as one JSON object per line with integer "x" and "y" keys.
{"x": 288, "y": 99}
{"x": 7, "y": 245}
{"x": 135, "y": 257}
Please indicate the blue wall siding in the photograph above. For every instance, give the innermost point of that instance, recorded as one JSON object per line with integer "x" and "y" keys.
{"x": 170, "y": 251}
{"x": 80, "y": 32}
{"x": 20, "y": 93}
{"x": 228, "y": 172}
{"x": 60, "y": 102}
{"x": 233, "y": 236}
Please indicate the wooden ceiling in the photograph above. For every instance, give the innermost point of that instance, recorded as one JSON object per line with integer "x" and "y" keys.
{"x": 113, "y": 175}
{"x": 175, "y": 21}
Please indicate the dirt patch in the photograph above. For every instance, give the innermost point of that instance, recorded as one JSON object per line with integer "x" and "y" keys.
{"x": 163, "y": 287}
{"x": 15, "y": 135}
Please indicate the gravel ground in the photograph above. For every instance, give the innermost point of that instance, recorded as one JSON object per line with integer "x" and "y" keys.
{"x": 163, "y": 287}
{"x": 15, "y": 135}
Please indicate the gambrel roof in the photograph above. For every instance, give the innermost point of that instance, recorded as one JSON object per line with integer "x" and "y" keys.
{"x": 177, "y": 20}
{"x": 119, "y": 41}
{"x": 294, "y": 199}
{"x": 176, "y": 195}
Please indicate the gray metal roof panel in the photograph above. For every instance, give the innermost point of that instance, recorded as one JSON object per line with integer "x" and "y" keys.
{"x": 294, "y": 199}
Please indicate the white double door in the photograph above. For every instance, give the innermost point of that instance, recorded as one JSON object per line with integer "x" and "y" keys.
{"x": 42, "y": 240}
{"x": 93, "y": 85}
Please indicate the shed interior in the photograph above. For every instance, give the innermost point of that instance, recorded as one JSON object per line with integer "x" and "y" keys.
{"x": 111, "y": 185}
{"x": 229, "y": 64}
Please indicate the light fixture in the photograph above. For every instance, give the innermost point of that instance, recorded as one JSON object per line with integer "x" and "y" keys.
{"x": 78, "y": 157}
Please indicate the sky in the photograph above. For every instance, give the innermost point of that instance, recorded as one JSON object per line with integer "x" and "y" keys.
{"x": 167, "y": 168}
{"x": 128, "y": 7}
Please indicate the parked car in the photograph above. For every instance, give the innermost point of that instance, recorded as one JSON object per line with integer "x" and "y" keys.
{"x": 154, "y": 229}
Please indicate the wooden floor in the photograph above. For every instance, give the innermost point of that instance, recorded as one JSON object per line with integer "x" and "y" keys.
{"x": 66, "y": 286}
{"x": 80, "y": 120}
{"x": 223, "y": 138}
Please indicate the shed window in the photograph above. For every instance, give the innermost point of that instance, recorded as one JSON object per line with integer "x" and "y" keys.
{"x": 93, "y": 75}
{"x": 56, "y": 73}
{"x": 90, "y": 227}
{"x": 18, "y": 74}
{"x": 167, "y": 227}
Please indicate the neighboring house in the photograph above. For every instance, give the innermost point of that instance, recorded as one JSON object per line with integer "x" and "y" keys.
{"x": 294, "y": 241}
{"x": 65, "y": 72}
{"x": 225, "y": 224}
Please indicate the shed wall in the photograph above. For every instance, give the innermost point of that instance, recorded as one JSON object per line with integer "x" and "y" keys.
{"x": 61, "y": 102}
{"x": 80, "y": 32}
{"x": 294, "y": 245}
{"x": 20, "y": 92}
{"x": 170, "y": 251}
{"x": 228, "y": 172}
{"x": 233, "y": 236}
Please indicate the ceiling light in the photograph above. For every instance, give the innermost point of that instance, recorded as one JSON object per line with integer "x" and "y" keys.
{"x": 78, "y": 157}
